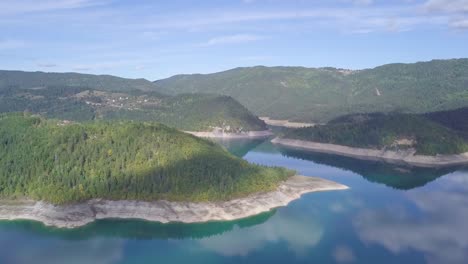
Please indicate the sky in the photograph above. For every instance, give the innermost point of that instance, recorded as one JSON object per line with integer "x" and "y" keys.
{"x": 157, "y": 39}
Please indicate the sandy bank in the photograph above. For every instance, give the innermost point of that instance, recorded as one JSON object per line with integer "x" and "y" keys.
{"x": 71, "y": 216}
{"x": 407, "y": 157}
{"x": 218, "y": 134}
{"x": 284, "y": 123}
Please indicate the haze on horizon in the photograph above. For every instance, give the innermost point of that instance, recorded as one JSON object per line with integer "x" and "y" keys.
{"x": 145, "y": 39}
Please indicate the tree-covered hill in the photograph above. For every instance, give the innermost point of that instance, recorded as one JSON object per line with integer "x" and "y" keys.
{"x": 63, "y": 162}
{"x": 196, "y": 112}
{"x": 454, "y": 119}
{"x": 21, "y": 79}
{"x": 390, "y": 131}
{"x": 321, "y": 94}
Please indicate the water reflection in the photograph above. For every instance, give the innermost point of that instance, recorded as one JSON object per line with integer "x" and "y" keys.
{"x": 433, "y": 222}
{"x": 99, "y": 251}
{"x": 299, "y": 231}
{"x": 240, "y": 147}
{"x": 398, "y": 177}
{"x": 135, "y": 229}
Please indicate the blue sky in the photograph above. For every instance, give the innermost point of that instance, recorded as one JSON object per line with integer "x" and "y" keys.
{"x": 157, "y": 39}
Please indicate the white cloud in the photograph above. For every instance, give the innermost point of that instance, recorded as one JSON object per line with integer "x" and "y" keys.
{"x": 232, "y": 39}
{"x": 447, "y": 5}
{"x": 460, "y": 24}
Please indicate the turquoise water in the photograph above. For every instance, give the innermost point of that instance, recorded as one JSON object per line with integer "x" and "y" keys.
{"x": 390, "y": 215}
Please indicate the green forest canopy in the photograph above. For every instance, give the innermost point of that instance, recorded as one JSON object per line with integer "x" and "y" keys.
{"x": 380, "y": 131}
{"x": 321, "y": 94}
{"x": 194, "y": 112}
{"x": 59, "y": 162}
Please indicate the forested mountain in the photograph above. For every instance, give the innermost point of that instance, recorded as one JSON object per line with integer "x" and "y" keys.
{"x": 321, "y": 94}
{"x": 391, "y": 131}
{"x": 64, "y": 162}
{"x": 21, "y": 79}
{"x": 456, "y": 119}
{"x": 196, "y": 112}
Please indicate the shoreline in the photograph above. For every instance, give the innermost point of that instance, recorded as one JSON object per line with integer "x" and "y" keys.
{"x": 247, "y": 134}
{"x": 76, "y": 215}
{"x": 405, "y": 157}
{"x": 284, "y": 123}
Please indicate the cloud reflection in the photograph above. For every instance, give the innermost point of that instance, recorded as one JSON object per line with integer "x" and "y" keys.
{"x": 96, "y": 251}
{"x": 301, "y": 233}
{"x": 437, "y": 227}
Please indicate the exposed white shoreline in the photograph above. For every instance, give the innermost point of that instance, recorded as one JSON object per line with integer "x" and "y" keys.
{"x": 284, "y": 123}
{"x": 71, "y": 216}
{"x": 407, "y": 157}
{"x": 247, "y": 134}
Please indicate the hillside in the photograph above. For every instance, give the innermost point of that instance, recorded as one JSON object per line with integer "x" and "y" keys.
{"x": 456, "y": 119}
{"x": 61, "y": 163}
{"x": 321, "y": 94}
{"x": 195, "y": 112}
{"x": 21, "y": 79}
{"x": 385, "y": 131}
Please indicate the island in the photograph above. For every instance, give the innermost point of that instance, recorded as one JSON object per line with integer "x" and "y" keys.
{"x": 407, "y": 139}
{"x": 67, "y": 174}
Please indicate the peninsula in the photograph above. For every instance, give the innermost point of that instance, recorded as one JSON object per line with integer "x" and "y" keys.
{"x": 395, "y": 138}
{"x": 68, "y": 174}
{"x": 76, "y": 215}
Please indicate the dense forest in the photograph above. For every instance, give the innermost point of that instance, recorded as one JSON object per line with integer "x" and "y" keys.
{"x": 386, "y": 131}
{"x": 322, "y": 94}
{"x": 63, "y": 162}
{"x": 21, "y": 79}
{"x": 195, "y": 112}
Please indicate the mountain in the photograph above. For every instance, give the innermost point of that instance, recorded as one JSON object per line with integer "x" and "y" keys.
{"x": 456, "y": 119}
{"x": 21, "y": 79}
{"x": 63, "y": 162}
{"x": 390, "y": 131}
{"x": 321, "y": 94}
{"x": 195, "y": 112}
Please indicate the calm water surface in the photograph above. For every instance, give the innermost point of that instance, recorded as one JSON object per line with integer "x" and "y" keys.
{"x": 390, "y": 215}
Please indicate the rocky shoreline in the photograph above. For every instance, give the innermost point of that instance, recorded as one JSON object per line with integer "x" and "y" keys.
{"x": 76, "y": 215}
{"x": 218, "y": 134}
{"x": 284, "y": 123}
{"x": 405, "y": 157}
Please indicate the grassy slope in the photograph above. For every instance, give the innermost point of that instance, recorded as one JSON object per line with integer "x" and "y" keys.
{"x": 42, "y": 159}
{"x": 382, "y": 130}
{"x": 308, "y": 94}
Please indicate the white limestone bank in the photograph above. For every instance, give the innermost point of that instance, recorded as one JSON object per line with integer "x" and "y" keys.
{"x": 406, "y": 157}
{"x": 70, "y": 216}
{"x": 220, "y": 134}
{"x": 284, "y": 123}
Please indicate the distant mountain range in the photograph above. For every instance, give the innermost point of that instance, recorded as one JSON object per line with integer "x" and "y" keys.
{"x": 294, "y": 93}
{"x": 21, "y": 79}
{"x": 321, "y": 94}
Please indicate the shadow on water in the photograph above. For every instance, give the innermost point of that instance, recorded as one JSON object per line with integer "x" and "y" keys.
{"x": 395, "y": 176}
{"x": 136, "y": 229}
{"x": 240, "y": 147}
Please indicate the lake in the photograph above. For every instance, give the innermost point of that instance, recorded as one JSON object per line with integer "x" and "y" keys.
{"x": 389, "y": 215}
